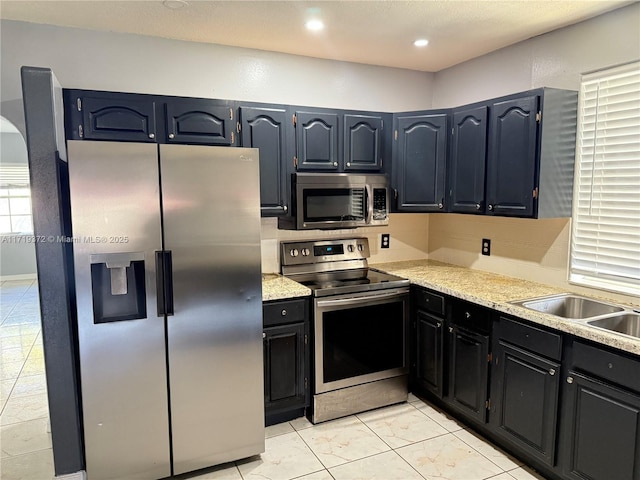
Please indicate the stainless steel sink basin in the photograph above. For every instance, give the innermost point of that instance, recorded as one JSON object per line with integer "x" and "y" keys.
{"x": 626, "y": 323}
{"x": 569, "y": 306}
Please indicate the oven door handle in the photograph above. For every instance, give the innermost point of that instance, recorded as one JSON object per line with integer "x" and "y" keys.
{"x": 359, "y": 300}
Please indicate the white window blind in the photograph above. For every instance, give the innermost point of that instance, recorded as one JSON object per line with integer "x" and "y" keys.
{"x": 605, "y": 240}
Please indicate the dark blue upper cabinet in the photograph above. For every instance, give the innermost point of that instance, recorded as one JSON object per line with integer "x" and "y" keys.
{"x": 362, "y": 142}
{"x": 467, "y": 162}
{"x": 199, "y": 122}
{"x": 112, "y": 116}
{"x": 271, "y": 131}
{"x": 421, "y": 159}
{"x": 512, "y": 156}
{"x": 317, "y": 141}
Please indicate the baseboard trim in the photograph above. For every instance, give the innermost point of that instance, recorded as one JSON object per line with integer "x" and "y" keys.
{"x": 81, "y": 475}
{"x": 26, "y": 276}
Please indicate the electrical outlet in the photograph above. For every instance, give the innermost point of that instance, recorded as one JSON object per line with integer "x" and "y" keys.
{"x": 384, "y": 242}
{"x": 486, "y": 246}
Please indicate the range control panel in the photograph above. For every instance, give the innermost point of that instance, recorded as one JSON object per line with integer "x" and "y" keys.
{"x": 303, "y": 252}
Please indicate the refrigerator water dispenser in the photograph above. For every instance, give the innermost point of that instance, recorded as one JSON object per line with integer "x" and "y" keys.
{"x": 118, "y": 287}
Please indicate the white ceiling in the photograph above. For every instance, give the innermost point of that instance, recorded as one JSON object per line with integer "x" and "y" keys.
{"x": 370, "y": 32}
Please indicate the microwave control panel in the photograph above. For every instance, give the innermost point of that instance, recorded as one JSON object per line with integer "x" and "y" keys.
{"x": 380, "y": 211}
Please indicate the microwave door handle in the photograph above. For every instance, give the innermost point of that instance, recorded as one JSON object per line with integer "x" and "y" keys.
{"x": 369, "y": 203}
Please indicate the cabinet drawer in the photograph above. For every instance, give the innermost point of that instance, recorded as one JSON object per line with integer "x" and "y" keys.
{"x": 531, "y": 338}
{"x": 607, "y": 365}
{"x": 279, "y": 313}
{"x": 470, "y": 316}
{"x": 429, "y": 301}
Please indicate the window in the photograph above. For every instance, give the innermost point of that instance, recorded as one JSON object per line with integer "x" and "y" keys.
{"x": 605, "y": 237}
{"x": 15, "y": 199}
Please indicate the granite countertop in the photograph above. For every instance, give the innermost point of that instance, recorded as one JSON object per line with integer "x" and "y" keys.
{"x": 277, "y": 287}
{"x": 495, "y": 291}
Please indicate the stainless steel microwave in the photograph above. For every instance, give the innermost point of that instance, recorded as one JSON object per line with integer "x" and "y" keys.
{"x": 337, "y": 200}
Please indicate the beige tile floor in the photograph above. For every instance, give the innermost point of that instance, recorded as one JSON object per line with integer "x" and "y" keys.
{"x": 402, "y": 442}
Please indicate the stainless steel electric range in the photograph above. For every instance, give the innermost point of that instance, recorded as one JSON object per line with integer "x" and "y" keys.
{"x": 360, "y": 326}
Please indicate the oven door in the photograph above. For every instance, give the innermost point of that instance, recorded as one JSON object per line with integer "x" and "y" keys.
{"x": 360, "y": 338}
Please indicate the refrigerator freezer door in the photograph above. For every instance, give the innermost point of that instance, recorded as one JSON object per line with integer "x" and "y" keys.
{"x": 211, "y": 214}
{"x": 115, "y": 208}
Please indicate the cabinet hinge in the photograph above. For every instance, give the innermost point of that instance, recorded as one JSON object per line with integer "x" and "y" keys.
{"x": 306, "y": 383}
{"x": 490, "y": 357}
{"x": 538, "y": 117}
{"x": 295, "y": 162}
{"x": 488, "y": 404}
{"x": 231, "y": 114}
{"x": 238, "y": 127}
{"x": 294, "y": 119}
{"x": 80, "y": 131}
{"x": 381, "y": 124}
{"x": 79, "y": 103}
{"x": 535, "y": 192}
{"x": 453, "y": 131}
{"x": 232, "y": 138}
{"x": 306, "y": 339}
{"x": 395, "y": 135}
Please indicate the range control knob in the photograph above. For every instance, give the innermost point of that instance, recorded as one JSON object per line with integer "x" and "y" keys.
{"x": 305, "y": 252}
{"x": 360, "y": 247}
{"x": 293, "y": 252}
{"x": 351, "y": 248}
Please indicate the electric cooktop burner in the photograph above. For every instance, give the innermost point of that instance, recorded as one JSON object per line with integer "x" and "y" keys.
{"x": 333, "y": 267}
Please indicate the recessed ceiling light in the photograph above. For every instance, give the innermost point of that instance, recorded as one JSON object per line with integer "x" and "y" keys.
{"x": 422, "y": 42}
{"x": 175, "y": 4}
{"x": 314, "y": 25}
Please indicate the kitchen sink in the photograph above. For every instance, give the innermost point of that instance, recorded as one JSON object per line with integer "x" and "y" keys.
{"x": 626, "y": 323}
{"x": 569, "y": 306}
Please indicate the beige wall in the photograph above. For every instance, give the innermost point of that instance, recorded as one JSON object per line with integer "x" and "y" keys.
{"x": 531, "y": 249}
{"x": 409, "y": 239}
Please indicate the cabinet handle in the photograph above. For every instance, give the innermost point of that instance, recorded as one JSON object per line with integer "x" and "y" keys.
{"x": 335, "y": 164}
{"x": 348, "y": 164}
{"x": 171, "y": 135}
{"x": 490, "y": 207}
{"x": 285, "y": 208}
{"x": 467, "y": 315}
{"x": 477, "y": 206}
{"x": 552, "y": 372}
{"x": 152, "y": 135}
{"x": 283, "y": 312}
{"x": 450, "y": 329}
{"x": 441, "y": 205}
{"x": 264, "y": 335}
{"x": 438, "y": 325}
{"x": 569, "y": 379}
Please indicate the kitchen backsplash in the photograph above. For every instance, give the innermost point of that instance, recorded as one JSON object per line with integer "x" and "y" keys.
{"x": 409, "y": 239}
{"x": 536, "y": 250}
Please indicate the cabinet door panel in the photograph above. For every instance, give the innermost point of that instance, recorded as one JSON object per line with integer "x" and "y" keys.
{"x": 602, "y": 434}
{"x": 284, "y": 364}
{"x": 422, "y": 142}
{"x": 429, "y": 358}
{"x": 468, "y": 372}
{"x": 512, "y": 155}
{"x": 525, "y": 400}
{"x": 468, "y": 158}
{"x": 317, "y": 141}
{"x": 199, "y": 122}
{"x": 362, "y": 142}
{"x": 118, "y": 118}
{"x": 267, "y": 130}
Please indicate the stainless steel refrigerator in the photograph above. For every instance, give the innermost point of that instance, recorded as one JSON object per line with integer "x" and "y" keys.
{"x": 167, "y": 272}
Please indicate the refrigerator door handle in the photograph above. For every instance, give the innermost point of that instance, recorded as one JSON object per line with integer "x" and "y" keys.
{"x": 164, "y": 282}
